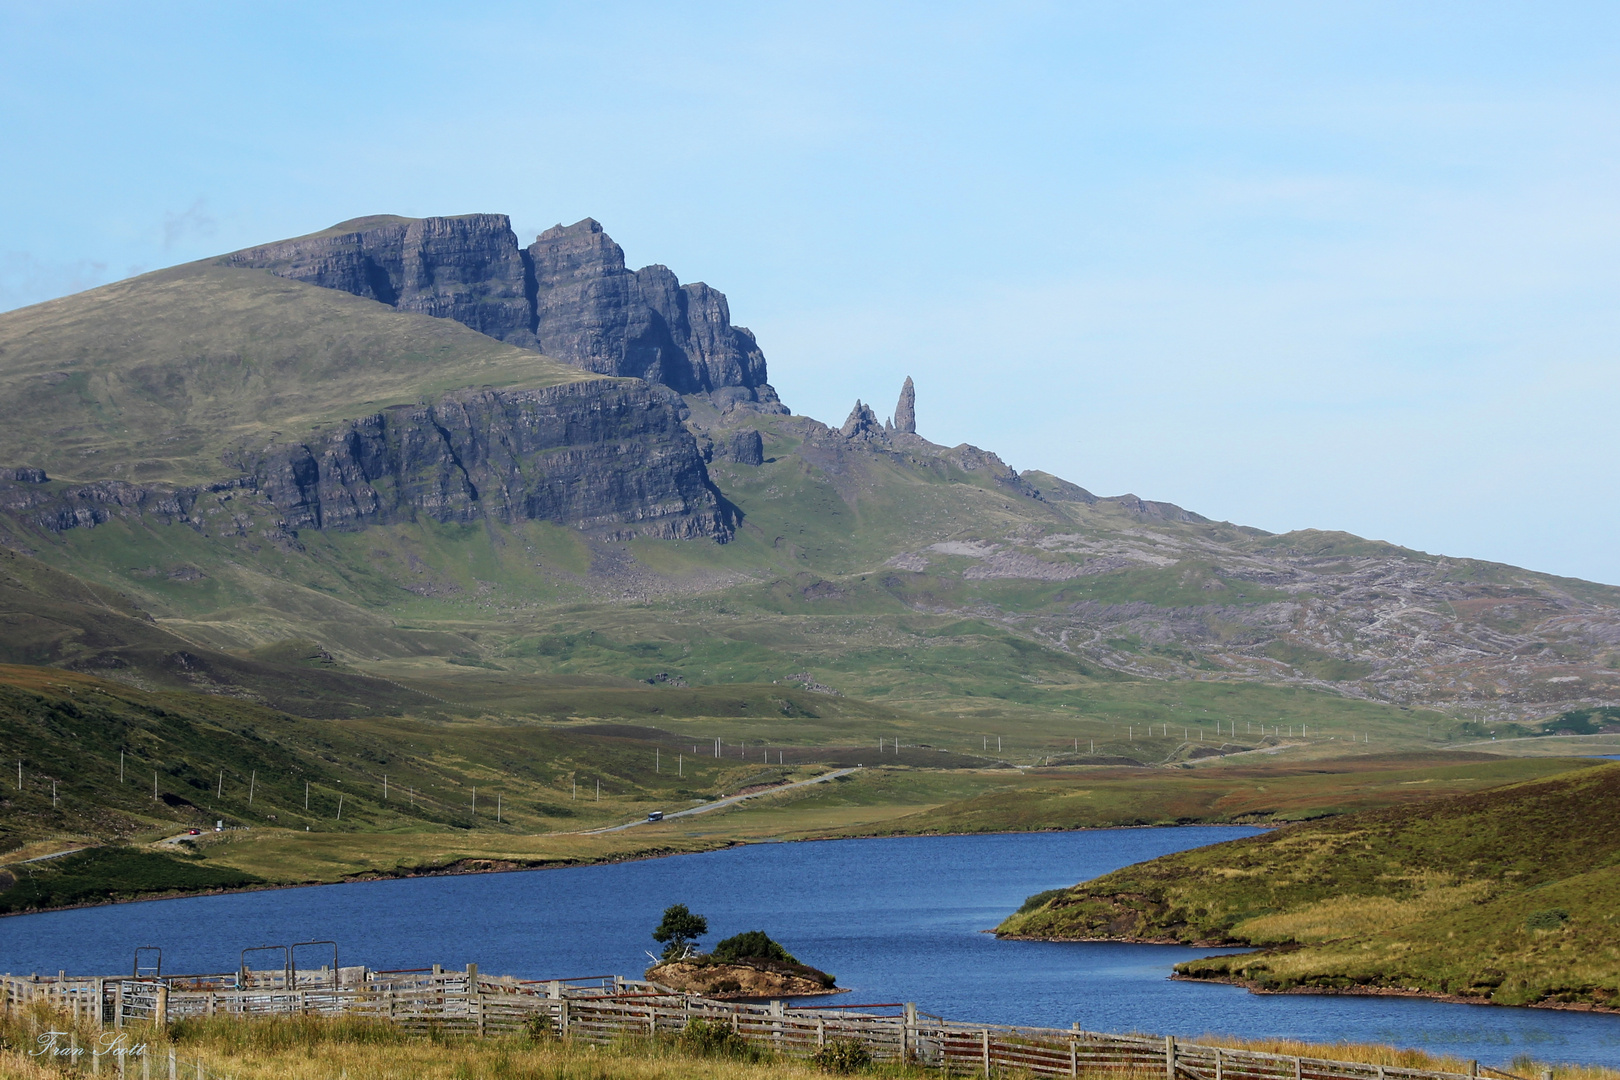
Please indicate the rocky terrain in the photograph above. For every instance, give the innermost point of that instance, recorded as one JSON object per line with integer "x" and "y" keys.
{"x": 186, "y": 436}
{"x": 743, "y": 981}
{"x": 568, "y": 295}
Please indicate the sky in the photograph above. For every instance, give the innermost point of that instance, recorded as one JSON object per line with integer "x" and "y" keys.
{"x": 1331, "y": 265}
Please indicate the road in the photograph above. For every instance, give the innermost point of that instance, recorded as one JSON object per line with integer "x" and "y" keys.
{"x": 731, "y": 801}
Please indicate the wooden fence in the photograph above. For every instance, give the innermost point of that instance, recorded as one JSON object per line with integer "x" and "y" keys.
{"x": 601, "y": 1009}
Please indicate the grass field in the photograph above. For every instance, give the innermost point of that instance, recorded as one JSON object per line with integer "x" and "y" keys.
{"x": 318, "y": 801}
{"x": 321, "y": 1049}
{"x": 1503, "y": 895}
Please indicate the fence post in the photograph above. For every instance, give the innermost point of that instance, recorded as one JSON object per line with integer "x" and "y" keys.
{"x": 908, "y": 1032}
{"x": 1218, "y": 1075}
{"x": 821, "y": 1037}
{"x": 562, "y": 1017}
{"x": 118, "y": 1009}
{"x": 984, "y": 1037}
{"x": 1170, "y": 1058}
{"x": 174, "y": 1066}
{"x": 1473, "y": 1069}
{"x": 1074, "y": 1050}
{"x": 1299, "y": 1070}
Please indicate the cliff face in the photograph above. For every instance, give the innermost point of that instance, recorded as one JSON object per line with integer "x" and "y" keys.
{"x": 569, "y": 295}
{"x": 611, "y": 458}
{"x": 464, "y": 268}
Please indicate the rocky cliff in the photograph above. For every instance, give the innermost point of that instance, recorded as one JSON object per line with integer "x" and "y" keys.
{"x": 607, "y": 456}
{"x": 569, "y": 295}
{"x": 612, "y": 458}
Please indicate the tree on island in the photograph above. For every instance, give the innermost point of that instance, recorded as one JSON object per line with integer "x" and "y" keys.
{"x": 678, "y": 930}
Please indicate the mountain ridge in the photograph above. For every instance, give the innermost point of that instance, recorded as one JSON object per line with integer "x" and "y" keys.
{"x": 259, "y": 456}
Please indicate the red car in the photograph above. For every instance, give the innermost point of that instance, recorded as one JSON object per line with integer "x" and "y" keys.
{"x": 193, "y": 832}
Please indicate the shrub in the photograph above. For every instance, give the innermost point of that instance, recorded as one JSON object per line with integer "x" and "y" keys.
{"x": 1038, "y": 899}
{"x": 843, "y": 1056}
{"x": 1550, "y": 919}
{"x": 538, "y": 1027}
{"x": 752, "y": 945}
{"x": 712, "y": 1038}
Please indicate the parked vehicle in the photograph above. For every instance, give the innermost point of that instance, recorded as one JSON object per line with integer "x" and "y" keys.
{"x": 656, "y": 815}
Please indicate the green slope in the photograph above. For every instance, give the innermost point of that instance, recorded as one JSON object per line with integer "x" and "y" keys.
{"x": 1505, "y": 895}
{"x": 153, "y": 379}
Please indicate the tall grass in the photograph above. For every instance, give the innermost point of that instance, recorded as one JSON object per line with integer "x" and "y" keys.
{"x": 340, "y": 1048}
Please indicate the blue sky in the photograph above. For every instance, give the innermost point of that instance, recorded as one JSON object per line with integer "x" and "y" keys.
{"x": 1343, "y": 266}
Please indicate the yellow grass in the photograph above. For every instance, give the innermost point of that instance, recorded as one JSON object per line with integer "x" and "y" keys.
{"x": 1356, "y": 916}
{"x": 310, "y": 1048}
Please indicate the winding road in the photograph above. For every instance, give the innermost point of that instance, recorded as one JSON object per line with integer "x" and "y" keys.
{"x": 730, "y": 801}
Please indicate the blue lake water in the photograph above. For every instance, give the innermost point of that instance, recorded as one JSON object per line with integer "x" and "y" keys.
{"x": 895, "y": 919}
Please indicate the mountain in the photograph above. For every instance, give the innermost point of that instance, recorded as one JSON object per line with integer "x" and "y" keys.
{"x": 429, "y": 451}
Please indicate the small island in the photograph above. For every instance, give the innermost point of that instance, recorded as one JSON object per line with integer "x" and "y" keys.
{"x": 745, "y": 966}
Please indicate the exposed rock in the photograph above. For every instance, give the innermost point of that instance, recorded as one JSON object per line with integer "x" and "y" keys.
{"x": 905, "y": 411}
{"x": 745, "y": 447}
{"x": 466, "y": 268}
{"x": 742, "y": 981}
{"x": 568, "y": 295}
{"x": 1153, "y": 511}
{"x": 29, "y": 475}
{"x": 592, "y": 310}
{"x": 808, "y": 681}
{"x": 862, "y": 423}
{"x": 89, "y": 505}
{"x": 608, "y": 457}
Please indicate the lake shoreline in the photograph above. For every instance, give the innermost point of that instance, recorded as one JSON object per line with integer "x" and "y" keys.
{"x": 1384, "y": 991}
{"x": 467, "y": 866}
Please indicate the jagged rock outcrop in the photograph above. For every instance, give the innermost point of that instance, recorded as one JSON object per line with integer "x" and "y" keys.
{"x": 862, "y": 423}
{"x": 59, "y": 507}
{"x": 591, "y": 310}
{"x": 466, "y": 268}
{"x": 905, "y": 410}
{"x": 569, "y": 295}
{"x": 744, "y": 447}
{"x": 612, "y": 458}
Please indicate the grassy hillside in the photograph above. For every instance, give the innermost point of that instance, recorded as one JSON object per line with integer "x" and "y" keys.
{"x": 1503, "y": 895}
{"x": 153, "y": 378}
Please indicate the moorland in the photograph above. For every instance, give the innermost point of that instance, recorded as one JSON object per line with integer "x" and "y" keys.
{"x": 402, "y": 548}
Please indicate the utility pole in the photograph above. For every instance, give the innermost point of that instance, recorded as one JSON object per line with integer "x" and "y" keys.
{"x": 475, "y": 803}
{"x": 497, "y": 808}
{"x": 385, "y": 787}
{"x": 599, "y": 791}
{"x": 306, "y": 794}
{"x": 680, "y": 764}
{"x": 340, "y": 808}
{"x": 220, "y": 794}
{"x": 154, "y": 785}
{"x": 252, "y": 783}
{"x": 120, "y": 766}
{"x": 658, "y": 765}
